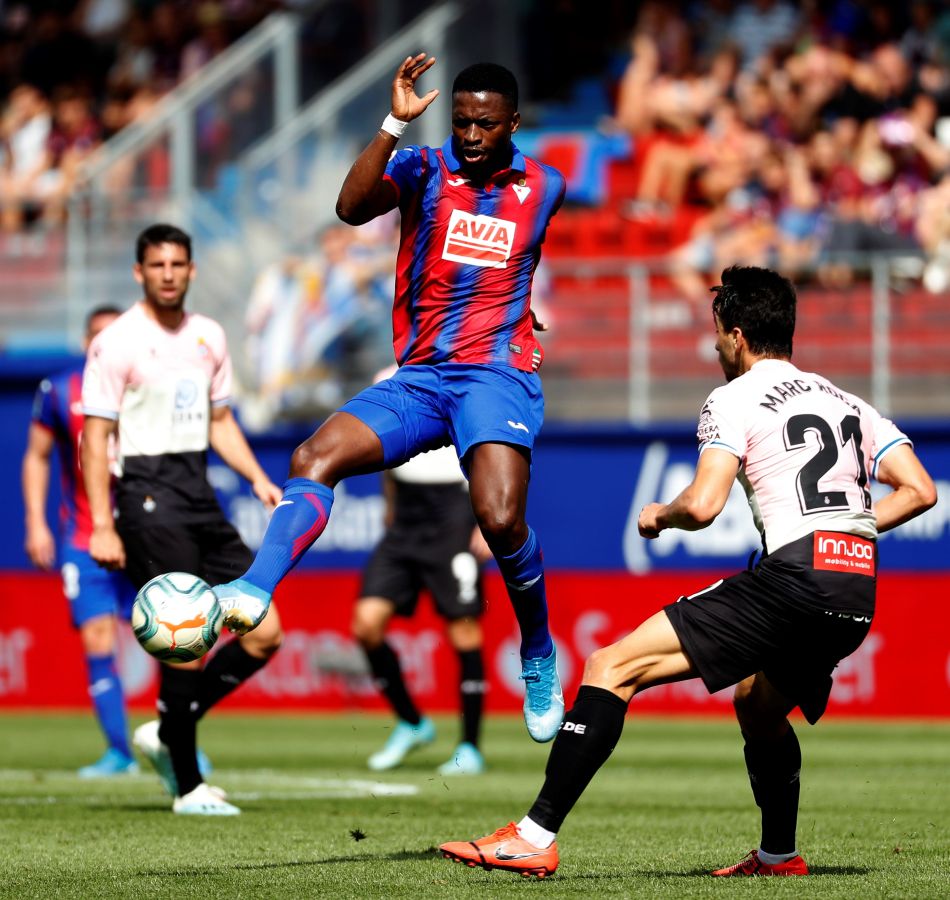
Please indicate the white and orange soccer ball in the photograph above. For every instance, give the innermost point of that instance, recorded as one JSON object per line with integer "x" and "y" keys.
{"x": 176, "y": 617}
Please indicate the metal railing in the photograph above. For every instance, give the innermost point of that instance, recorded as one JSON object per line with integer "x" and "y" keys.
{"x": 173, "y": 116}
{"x": 289, "y": 179}
{"x": 637, "y": 352}
{"x": 265, "y": 198}
{"x": 625, "y": 345}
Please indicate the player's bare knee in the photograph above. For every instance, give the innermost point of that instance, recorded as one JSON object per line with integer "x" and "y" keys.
{"x": 98, "y": 636}
{"x": 600, "y": 669}
{"x": 306, "y": 460}
{"x": 742, "y": 701}
{"x": 503, "y": 528}
{"x": 262, "y": 644}
{"x": 366, "y": 632}
{"x": 465, "y": 634}
{"x": 756, "y": 715}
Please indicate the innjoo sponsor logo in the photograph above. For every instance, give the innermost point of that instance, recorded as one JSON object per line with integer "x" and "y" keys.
{"x": 478, "y": 240}
{"x": 844, "y": 553}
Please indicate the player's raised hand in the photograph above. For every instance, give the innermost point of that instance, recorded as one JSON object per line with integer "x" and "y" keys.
{"x": 407, "y": 105}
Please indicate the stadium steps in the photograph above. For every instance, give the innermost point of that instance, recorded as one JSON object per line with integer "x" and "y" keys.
{"x": 33, "y": 311}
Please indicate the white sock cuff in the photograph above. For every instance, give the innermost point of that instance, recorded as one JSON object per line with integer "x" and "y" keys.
{"x": 535, "y": 835}
{"x": 774, "y": 859}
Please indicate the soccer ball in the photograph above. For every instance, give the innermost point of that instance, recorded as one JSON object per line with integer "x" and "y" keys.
{"x": 176, "y": 617}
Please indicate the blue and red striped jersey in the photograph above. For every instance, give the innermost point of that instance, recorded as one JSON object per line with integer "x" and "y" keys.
{"x": 467, "y": 255}
{"x": 57, "y": 407}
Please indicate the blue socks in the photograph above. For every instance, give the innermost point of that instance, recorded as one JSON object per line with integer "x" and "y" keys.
{"x": 105, "y": 689}
{"x": 297, "y": 522}
{"x": 523, "y": 572}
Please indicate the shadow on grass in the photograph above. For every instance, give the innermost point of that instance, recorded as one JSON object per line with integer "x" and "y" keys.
{"x": 610, "y": 875}
{"x": 841, "y": 870}
{"x": 399, "y": 856}
{"x": 432, "y": 853}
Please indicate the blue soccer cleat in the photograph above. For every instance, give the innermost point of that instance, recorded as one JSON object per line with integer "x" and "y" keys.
{"x": 405, "y": 738}
{"x": 112, "y": 763}
{"x": 543, "y": 698}
{"x": 243, "y": 606}
{"x": 466, "y": 760}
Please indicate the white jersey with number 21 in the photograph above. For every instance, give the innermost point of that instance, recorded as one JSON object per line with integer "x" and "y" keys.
{"x": 807, "y": 450}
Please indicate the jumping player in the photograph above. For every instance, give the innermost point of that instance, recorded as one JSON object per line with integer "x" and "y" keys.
{"x": 474, "y": 215}
{"x": 97, "y": 598}
{"x": 804, "y": 451}
{"x": 431, "y": 542}
{"x": 160, "y": 377}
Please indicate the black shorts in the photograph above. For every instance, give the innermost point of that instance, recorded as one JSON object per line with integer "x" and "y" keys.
{"x": 406, "y": 561}
{"x": 786, "y": 618}
{"x": 211, "y": 550}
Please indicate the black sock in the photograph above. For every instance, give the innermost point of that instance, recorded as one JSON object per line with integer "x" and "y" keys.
{"x": 177, "y": 704}
{"x": 472, "y": 688}
{"x": 388, "y": 677}
{"x": 588, "y": 735}
{"x": 774, "y": 768}
{"x": 230, "y": 667}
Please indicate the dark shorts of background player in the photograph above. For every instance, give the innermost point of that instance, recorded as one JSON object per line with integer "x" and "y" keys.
{"x": 213, "y": 551}
{"x": 783, "y": 618}
{"x": 403, "y": 564}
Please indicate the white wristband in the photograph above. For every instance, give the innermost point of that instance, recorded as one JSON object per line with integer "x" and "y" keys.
{"x": 392, "y": 125}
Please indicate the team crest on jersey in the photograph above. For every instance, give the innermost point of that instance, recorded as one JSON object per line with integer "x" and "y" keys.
{"x": 479, "y": 240}
{"x": 521, "y": 192}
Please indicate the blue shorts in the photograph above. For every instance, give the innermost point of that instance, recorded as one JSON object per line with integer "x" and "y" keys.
{"x": 424, "y": 407}
{"x": 93, "y": 591}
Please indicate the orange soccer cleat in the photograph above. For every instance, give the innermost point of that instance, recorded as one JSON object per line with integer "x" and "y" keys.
{"x": 752, "y": 865}
{"x": 505, "y": 849}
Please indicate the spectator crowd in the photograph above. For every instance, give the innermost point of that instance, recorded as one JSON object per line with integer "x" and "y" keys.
{"x": 316, "y": 320}
{"x": 806, "y": 135}
{"x": 802, "y": 135}
{"x": 75, "y": 72}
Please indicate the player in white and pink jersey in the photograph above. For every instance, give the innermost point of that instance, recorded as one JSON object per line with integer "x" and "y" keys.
{"x": 161, "y": 378}
{"x": 807, "y": 450}
{"x": 804, "y": 451}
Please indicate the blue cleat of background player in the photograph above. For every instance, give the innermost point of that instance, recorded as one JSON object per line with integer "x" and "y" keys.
{"x": 404, "y": 739}
{"x": 113, "y": 762}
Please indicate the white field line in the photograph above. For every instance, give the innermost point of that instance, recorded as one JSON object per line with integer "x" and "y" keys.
{"x": 251, "y": 784}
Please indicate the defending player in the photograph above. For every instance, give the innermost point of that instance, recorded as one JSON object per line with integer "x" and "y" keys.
{"x": 804, "y": 451}
{"x": 474, "y": 214}
{"x": 431, "y": 542}
{"x": 161, "y": 378}
{"x": 97, "y": 598}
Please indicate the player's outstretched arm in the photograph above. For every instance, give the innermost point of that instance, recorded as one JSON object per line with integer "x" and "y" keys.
{"x": 229, "y": 443}
{"x": 105, "y": 545}
{"x": 699, "y": 502}
{"x": 365, "y": 194}
{"x": 40, "y": 545}
{"x": 913, "y": 488}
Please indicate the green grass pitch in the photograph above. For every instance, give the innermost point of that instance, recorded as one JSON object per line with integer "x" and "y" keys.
{"x": 672, "y": 802}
